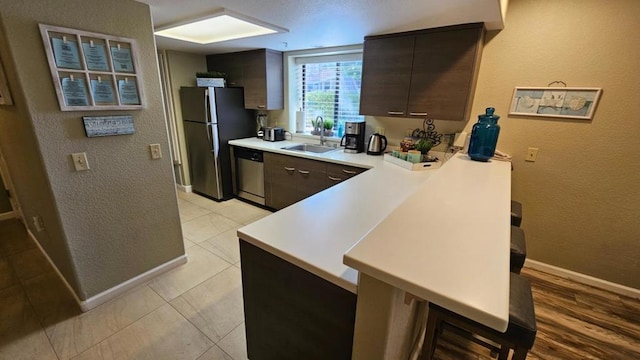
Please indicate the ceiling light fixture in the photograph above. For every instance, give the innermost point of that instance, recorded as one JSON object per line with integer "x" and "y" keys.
{"x": 222, "y": 25}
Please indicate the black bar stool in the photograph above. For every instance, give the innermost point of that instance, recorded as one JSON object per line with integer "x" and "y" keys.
{"x": 518, "y": 250}
{"x": 516, "y": 213}
{"x": 520, "y": 334}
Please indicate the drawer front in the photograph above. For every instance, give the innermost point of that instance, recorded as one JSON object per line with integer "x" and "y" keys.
{"x": 337, "y": 173}
{"x": 290, "y": 179}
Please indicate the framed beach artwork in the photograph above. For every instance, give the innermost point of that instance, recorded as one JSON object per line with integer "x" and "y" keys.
{"x": 559, "y": 102}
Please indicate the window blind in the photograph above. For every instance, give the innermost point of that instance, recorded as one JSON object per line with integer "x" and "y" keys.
{"x": 329, "y": 87}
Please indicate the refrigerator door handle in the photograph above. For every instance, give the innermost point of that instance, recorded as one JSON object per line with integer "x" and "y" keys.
{"x": 213, "y": 138}
{"x": 209, "y": 134}
{"x": 214, "y": 141}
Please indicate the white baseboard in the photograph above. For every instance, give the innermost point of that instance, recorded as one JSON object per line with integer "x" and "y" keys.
{"x": 584, "y": 279}
{"x": 109, "y": 294}
{"x": 7, "y": 215}
{"x": 64, "y": 280}
{"x": 184, "y": 188}
{"x": 121, "y": 288}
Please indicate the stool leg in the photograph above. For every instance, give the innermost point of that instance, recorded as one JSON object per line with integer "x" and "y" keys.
{"x": 504, "y": 353}
{"x": 519, "y": 353}
{"x": 515, "y": 269}
{"x": 430, "y": 337}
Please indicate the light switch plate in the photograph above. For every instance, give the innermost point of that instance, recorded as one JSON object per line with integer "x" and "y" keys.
{"x": 80, "y": 161}
{"x": 156, "y": 153}
{"x": 38, "y": 224}
{"x": 532, "y": 154}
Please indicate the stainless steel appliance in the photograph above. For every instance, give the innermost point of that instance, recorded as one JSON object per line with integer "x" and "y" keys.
{"x": 353, "y": 139}
{"x": 377, "y": 144}
{"x": 212, "y": 117}
{"x": 249, "y": 174}
{"x": 261, "y": 122}
{"x": 273, "y": 134}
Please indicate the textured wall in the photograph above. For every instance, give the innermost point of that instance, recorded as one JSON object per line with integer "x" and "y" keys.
{"x": 182, "y": 71}
{"x": 25, "y": 164}
{"x": 120, "y": 218}
{"x": 581, "y": 197}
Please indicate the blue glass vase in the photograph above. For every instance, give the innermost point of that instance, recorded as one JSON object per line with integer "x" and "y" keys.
{"x": 484, "y": 136}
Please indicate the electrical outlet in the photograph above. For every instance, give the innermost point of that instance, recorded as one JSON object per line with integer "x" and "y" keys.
{"x": 38, "y": 224}
{"x": 80, "y": 161}
{"x": 156, "y": 153}
{"x": 532, "y": 154}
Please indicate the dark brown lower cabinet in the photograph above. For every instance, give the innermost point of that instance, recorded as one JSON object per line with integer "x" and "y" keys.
{"x": 291, "y": 313}
{"x": 289, "y": 179}
{"x": 337, "y": 173}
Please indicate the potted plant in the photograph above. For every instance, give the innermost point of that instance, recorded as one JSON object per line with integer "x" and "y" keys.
{"x": 317, "y": 125}
{"x": 424, "y": 145}
{"x": 328, "y": 127}
{"x": 211, "y": 78}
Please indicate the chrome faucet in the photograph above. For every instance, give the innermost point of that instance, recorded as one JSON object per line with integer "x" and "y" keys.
{"x": 320, "y": 123}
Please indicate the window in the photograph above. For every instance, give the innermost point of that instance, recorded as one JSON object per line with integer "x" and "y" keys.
{"x": 329, "y": 86}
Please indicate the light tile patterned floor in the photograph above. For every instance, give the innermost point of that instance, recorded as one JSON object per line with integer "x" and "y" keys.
{"x": 192, "y": 312}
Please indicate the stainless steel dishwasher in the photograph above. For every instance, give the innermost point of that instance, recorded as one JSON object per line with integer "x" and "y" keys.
{"x": 249, "y": 174}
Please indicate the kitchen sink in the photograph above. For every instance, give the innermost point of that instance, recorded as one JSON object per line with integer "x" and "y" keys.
{"x": 319, "y": 149}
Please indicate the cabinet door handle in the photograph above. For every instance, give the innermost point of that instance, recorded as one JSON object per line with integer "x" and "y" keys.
{"x": 348, "y": 172}
{"x": 335, "y": 178}
{"x": 395, "y": 112}
{"x": 290, "y": 168}
{"x": 261, "y": 106}
{"x": 303, "y": 172}
{"x": 418, "y": 114}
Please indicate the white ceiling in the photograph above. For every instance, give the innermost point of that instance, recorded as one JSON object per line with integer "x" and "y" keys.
{"x": 324, "y": 23}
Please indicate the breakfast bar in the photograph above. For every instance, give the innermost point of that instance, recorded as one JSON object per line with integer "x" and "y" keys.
{"x": 437, "y": 235}
{"x": 448, "y": 243}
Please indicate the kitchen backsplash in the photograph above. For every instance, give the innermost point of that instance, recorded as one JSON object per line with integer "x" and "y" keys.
{"x": 394, "y": 128}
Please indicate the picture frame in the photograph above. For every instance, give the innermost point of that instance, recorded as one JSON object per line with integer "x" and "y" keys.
{"x": 92, "y": 71}
{"x": 555, "y": 102}
{"x": 5, "y": 94}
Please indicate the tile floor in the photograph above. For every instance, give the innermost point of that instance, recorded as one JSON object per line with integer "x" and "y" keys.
{"x": 192, "y": 312}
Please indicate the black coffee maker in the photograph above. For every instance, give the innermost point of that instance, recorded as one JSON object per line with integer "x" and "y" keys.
{"x": 353, "y": 139}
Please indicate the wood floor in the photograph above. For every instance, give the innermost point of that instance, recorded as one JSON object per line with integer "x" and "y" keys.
{"x": 575, "y": 321}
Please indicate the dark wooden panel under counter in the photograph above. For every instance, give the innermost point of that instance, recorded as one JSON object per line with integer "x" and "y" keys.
{"x": 291, "y": 313}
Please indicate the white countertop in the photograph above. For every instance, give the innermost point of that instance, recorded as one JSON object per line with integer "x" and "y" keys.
{"x": 421, "y": 231}
{"x": 448, "y": 242}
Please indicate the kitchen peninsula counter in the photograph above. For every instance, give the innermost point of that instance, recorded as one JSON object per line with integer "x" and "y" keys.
{"x": 314, "y": 233}
{"x": 441, "y": 235}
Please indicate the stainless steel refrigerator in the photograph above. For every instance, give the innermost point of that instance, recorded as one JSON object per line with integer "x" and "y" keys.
{"x": 212, "y": 117}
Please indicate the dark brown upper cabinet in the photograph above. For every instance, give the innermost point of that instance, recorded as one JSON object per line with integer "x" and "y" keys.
{"x": 259, "y": 72}
{"x": 425, "y": 73}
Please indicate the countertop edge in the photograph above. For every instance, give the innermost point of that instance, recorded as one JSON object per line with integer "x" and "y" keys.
{"x": 343, "y": 283}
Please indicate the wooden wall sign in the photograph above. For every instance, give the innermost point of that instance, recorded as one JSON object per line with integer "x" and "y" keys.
{"x": 95, "y": 126}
